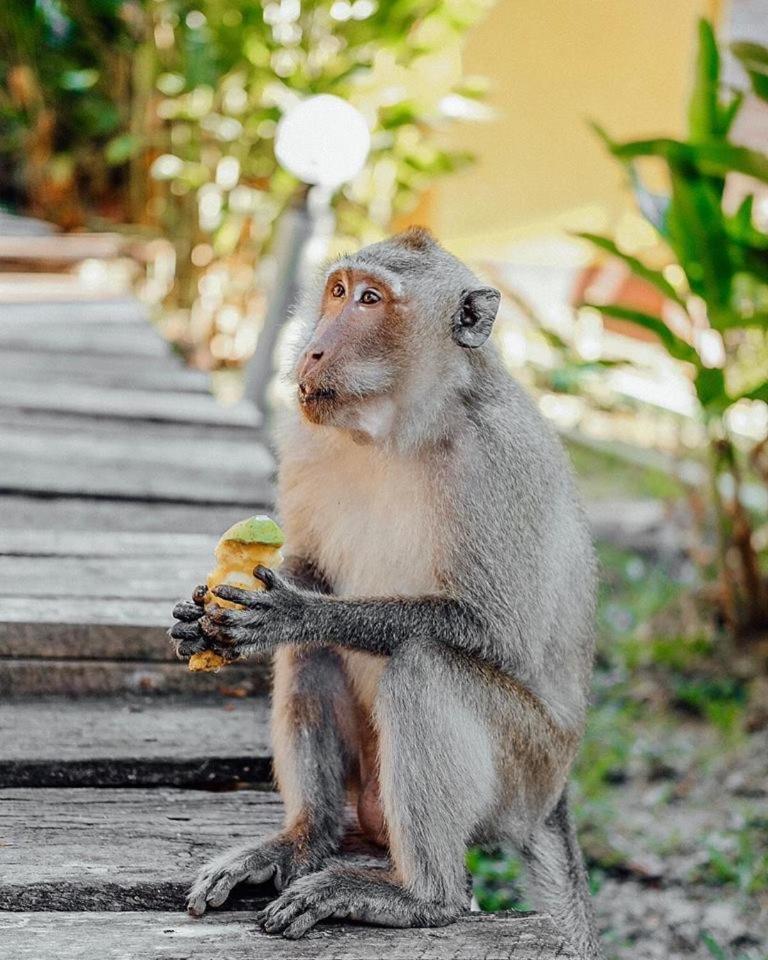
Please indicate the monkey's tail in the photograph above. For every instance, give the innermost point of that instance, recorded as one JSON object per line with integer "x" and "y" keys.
{"x": 557, "y": 879}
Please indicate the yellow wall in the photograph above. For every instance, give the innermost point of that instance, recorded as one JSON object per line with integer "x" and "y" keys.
{"x": 553, "y": 64}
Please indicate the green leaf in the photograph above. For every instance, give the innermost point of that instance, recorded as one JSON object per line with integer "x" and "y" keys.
{"x": 703, "y": 109}
{"x": 697, "y": 235}
{"x": 710, "y": 388}
{"x": 720, "y": 159}
{"x": 655, "y": 277}
{"x": 676, "y": 347}
{"x": 78, "y": 80}
{"x": 729, "y": 111}
{"x": 754, "y": 59}
{"x": 120, "y": 149}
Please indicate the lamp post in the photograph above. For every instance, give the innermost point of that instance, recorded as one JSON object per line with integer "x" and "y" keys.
{"x": 324, "y": 142}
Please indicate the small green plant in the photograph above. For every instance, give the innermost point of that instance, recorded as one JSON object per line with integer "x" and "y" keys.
{"x": 496, "y": 879}
{"x": 715, "y": 315}
{"x": 738, "y": 859}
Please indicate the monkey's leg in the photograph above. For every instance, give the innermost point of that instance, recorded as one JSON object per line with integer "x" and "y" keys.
{"x": 313, "y": 735}
{"x": 558, "y": 879}
{"x": 437, "y": 783}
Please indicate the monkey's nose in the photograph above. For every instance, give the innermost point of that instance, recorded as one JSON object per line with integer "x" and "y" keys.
{"x": 303, "y": 389}
{"x": 317, "y": 355}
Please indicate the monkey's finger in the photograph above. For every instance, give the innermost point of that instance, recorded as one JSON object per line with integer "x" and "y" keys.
{"x": 187, "y": 611}
{"x": 184, "y": 631}
{"x": 199, "y": 594}
{"x": 268, "y": 577}
{"x": 186, "y": 648}
{"x": 246, "y": 598}
{"x": 224, "y": 886}
{"x": 304, "y": 923}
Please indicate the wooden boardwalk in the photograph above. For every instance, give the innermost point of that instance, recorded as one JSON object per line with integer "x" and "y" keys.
{"x": 118, "y": 767}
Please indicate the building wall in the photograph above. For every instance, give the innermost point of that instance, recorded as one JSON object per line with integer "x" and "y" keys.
{"x": 553, "y": 65}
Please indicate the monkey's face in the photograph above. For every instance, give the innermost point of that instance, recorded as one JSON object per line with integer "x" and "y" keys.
{"x": 353, "y": 356}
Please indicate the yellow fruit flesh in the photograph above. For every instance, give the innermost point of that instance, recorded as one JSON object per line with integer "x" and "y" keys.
{"x": 236, "y": 561}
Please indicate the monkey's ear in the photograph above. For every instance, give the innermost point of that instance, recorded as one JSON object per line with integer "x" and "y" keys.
{"x": 474, "y": 317}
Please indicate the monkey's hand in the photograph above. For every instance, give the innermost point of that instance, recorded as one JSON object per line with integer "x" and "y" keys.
{"x": 274, "y": 616}
{"x": 186, "y": 633}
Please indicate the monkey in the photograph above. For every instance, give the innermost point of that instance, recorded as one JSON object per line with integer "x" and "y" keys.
{"x": 432, "y": 625}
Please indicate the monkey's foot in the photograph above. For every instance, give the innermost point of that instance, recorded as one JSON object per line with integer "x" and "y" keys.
{"x": 280, "y": 860}
{"x": 366, "y": 896}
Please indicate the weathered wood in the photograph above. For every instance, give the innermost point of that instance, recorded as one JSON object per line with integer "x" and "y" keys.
{"x": 38, "y": 287}
{"x": 81, "y": 628}
{"x": 79, "y": 336}
{"x": 20, "y": 512}
{"x": 63, "y": 248}
{"x": 119, "y": 849}
{"x": 145, "y": 467}
{"x": 97, "y": 577}
{"x": 102, "y": 543}
{"x": 172, "y": 936}
{"x": 12, "y": 225}
{"x": 153, "y": 373}
{"x": 99, "y": 402}
{"x": 104, "y": 313}
{"x": 96, "y": 678}
{"x": 113, "y": 743}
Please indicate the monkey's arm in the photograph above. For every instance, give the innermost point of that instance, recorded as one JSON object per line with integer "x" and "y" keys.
{"x": 284, "y": 614}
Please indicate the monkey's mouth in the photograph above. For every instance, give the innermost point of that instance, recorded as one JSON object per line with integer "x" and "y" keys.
{"x": 318, "y": 396}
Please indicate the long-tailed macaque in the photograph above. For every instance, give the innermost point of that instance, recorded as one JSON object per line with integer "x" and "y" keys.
{"x": 432, "y": 626}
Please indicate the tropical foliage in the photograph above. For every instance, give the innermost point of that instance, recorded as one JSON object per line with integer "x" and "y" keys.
{"x": 715, "y": 293}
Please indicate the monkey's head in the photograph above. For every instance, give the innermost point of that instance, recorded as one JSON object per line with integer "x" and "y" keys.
{"x": 390, "y": 334}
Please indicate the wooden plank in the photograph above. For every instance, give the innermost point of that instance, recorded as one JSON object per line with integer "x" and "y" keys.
{"x": 98, "y": 678}
{"x": 101, "y": 577}
{"x": 75, "y": 628}
{"x": 63, "y": 248}
{"x": 109, "y": 743}
{"x": 81, "y": 513}
{"x": 138, "y": 466}
{"x": 12, "y": 225}
{"x": 173, "y": 936}
{"x": 164, "y": 373}
{"x": 77, "y": 336}
{"x": 99, "y": 402}
{"x": 103, "y": 543}
{"x": 39, "y": 288}
{"x": 113, "y": 849}
{"x": 107, "y": 312}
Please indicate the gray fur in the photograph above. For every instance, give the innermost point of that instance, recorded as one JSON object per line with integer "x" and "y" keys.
{"x": 442, "y": 512}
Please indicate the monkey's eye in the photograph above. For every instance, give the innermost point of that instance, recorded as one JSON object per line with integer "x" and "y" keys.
{"x": 370, "y": 296}
{"x": 337, "y": 290}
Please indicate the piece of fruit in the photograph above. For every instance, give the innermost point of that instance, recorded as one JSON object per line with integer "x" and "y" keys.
{"x": 206, "y": 661}
{"x": 244, "y": 546}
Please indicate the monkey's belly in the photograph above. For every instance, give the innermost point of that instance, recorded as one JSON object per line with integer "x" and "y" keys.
{"x": 364, "y": 671}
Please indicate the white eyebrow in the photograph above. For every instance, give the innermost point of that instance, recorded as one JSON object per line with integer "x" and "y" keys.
{"x": 378, "y": 272}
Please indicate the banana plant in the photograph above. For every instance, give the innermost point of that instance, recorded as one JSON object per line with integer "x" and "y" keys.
{"x": 721, "y": 304}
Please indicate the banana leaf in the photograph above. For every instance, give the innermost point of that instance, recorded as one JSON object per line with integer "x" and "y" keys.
{"x": 697, "y": 235}
{"x": 704, "y": 120}
{"x": 676, "y": 347}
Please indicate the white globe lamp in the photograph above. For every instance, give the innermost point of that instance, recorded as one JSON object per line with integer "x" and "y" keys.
{"x": 323, "y": 140}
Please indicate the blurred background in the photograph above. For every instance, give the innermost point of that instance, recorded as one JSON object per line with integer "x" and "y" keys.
{"x": 605, "y": 164}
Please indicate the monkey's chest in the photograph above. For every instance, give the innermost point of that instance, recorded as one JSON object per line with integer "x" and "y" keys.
{"x": 373, "y": 530}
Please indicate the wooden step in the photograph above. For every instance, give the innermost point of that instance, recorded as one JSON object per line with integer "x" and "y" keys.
{"x": 119, "y": 849}
{"x": 96, "y": 678}
{"x": 172, "y": 936}
{"x": 162, "y": 374}
{"x": 135, "y": 461}
{"x": 62, "y": 248}
{"x": 119, "y": 743}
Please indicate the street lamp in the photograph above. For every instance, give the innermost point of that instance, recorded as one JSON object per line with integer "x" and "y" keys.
{"x": 324, "y": 142}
